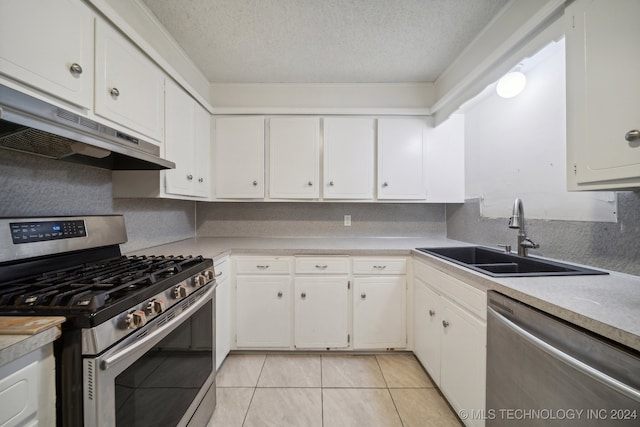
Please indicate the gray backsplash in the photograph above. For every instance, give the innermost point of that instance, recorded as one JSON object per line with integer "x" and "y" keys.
{"x": 36, "y": 186}
{"x": 614, "y": 246}
{"x": 320, "y": 219}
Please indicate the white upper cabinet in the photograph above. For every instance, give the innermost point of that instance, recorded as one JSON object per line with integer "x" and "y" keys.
{"x": 129, "y": 87}
{"x": 187, "y": 141}
{"x": 445, "y": 161}
{"x": 603, "y": 86}
{"x": 348, "y": 158}
{"x": 239, "y": 157}
{"x": 294, "y": 157}
{"x": 48, "y": 44}
{"x": 401, "y": 159}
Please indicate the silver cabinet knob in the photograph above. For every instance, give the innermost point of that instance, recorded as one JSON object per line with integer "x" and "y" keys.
{"x": 114, "y": 92}
{"x": 303, "y": 295}
{"x": 75, "y": 69}
{"x": 363, "y": 295}
{"x": 255, "y": 183}
{"x": 200, "y": 179}
{"x": 310, "y": 184}
{"x": 632, "y": 135}
{"x": 189, "y": 177}
{"x": 330, "y": 183}
{"x": 385, "y": 184}
{"x": 445, "y": 323}
{"x": 279, "y": 294}
{"x": 432, "y": 313}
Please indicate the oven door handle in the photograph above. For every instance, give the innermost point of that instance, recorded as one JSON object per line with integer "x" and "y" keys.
{"x": 597, "y": 375}
{"x": 148, "y": 340}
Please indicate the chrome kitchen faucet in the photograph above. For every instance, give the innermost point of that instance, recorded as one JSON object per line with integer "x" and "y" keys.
{"x": 517, "y": 221}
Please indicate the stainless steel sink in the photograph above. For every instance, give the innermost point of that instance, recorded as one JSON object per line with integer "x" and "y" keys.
{"x": 496, "y": 263}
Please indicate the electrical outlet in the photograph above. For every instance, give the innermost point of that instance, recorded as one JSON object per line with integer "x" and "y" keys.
{"x": 347, "y": 220}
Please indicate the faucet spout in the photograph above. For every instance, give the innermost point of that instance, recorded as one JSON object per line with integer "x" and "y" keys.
{"x": 517, "y": 221}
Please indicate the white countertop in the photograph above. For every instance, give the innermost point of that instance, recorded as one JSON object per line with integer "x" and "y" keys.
{"x": 608, "y": 305}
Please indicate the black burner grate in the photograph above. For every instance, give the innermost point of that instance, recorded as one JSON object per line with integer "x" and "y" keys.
{"x": 89, "y": 287}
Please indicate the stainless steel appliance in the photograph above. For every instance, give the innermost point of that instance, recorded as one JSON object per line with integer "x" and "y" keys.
{"x": 33, "y": 126}
{"x": 138, "y": 346}
{"x": 542, "y": 371}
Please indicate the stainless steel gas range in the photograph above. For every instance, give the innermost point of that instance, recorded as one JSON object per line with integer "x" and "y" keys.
{"x": 138, "y": 346}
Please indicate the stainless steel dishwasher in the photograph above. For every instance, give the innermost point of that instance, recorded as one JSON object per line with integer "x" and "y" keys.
{"x": 542, "y": 371}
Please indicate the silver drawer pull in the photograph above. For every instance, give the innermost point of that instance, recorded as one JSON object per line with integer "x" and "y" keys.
{"x": 200, "y": 179}
{"x": 279, "y": 294}
{"x": 379, "y": 267}
{"x": 255, "y": 183}
{"x": 303, "y": 295}
{"x": 75, "y": 69}
{"x": 262, "y": 267}
{"x": 363, "y": 295}
{"x": 189, "y": 177}
{"x": 432, "y": 313}
{"x": 445, "y": 323}
{"x": 219, "y": 273}
{"x": 321, "y": 267}
{"x": 632, "y": 135}
{"x": 114, "y": 92}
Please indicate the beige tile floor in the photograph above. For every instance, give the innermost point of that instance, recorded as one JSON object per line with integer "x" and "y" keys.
{"x": 328, "y": 391}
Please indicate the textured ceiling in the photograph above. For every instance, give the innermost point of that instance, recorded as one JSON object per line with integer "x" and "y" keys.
{"x": 323, "y": 41}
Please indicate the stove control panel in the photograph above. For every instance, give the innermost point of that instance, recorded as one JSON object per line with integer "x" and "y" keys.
{"x": 40, "y": 231}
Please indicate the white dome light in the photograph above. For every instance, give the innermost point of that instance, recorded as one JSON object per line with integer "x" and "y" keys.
{"x": 511, "y": 84}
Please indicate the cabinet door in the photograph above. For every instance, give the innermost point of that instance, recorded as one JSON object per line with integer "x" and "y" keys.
{"x": 379, "y": 312}
{"x": 48, "y": 44}
{"x": 427, "y": 326}
{"x": 401, "y": 159}
{"x": 263, "y": 311}
{"x": 239, "y": 157}
{"x": 202, "y": 152}
{"x": 294, "y": 157}
{"x": 321, "y": 312}
{"x": 462, "y": 376}
{"x": 180, "y": 141}
{"x": 129, "y": 87}
{"x": 348, "y": 158}
{"x": 602, "y": 40}
{"x": 223, "y": 312}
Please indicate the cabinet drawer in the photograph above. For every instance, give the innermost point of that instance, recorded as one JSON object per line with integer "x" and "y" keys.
{"x": 263, "y": 265}
{"x": 379, "y": 266}
{"x": 322, "y": 265}
{"x": 466, "y": 296}
{"x": 222, "y": 268}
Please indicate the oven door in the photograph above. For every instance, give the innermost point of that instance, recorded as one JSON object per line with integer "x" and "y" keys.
{"x": 162, "y": 376}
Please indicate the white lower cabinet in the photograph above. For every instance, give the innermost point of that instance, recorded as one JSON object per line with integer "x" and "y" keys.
{"x": 27, "y": 389}
{"x": 321, "y": 302}
{"x": 321, "y": 310}
{"x": 379, "y": 313}
{"x": 427, "y": 322}
{"x": 223, "y": 310}
{"x": 450, "y": 337}
{"x": 263, "y": 302}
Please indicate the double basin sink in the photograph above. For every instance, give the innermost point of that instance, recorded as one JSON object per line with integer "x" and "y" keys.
{"x": 496, "y": 263}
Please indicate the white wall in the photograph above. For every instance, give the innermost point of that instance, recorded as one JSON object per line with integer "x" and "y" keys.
{"x": 517, "y": 148}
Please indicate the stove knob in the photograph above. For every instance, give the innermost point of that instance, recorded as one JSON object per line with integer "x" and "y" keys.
{"x": 209, "y": 274}
{"x": 156, "y": 306}
{"x": 199, "y": 280}
{"x": 135, "y": 319}
{"x": 180, "y": 291}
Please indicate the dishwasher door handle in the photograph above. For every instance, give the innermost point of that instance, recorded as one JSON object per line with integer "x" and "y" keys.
{"x": 597, "y": 375}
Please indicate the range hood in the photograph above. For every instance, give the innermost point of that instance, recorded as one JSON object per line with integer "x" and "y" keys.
{"x": 33, "y": 126}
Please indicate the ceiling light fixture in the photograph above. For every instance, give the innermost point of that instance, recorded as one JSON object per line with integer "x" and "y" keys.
{"x": 511, "y": 84}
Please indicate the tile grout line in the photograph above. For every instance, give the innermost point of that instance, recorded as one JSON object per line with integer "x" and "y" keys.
{"x": 254, "y": 391}
{"x": 395, "y": 406}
